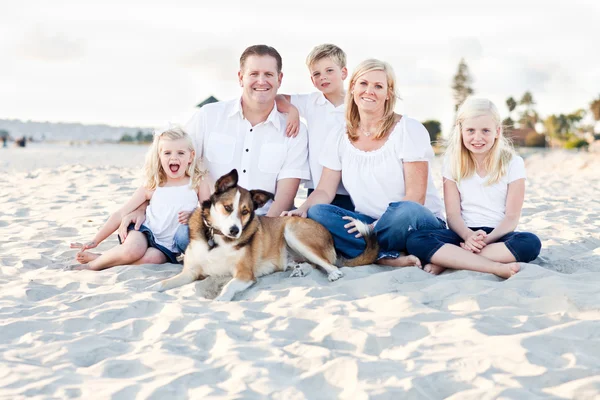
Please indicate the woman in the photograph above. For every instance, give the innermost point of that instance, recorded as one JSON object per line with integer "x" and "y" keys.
{"x": 382, "y": 158}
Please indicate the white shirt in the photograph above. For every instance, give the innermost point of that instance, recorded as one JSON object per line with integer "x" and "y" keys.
{"x": 322, "y": 118}
{"x": 262, "y": 154}
{"x": 162, "y": 212}
{"x": 481, "y": 204}
{"x": 375, "y": 178}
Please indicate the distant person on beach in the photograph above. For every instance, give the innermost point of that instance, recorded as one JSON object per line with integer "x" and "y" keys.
{"x": 484, "y": 188}
{"x": 249, "y": 134}
{"x": 173, "y": 185}
{"x": 323, "y": 110}
{"x": 383, "y": 160}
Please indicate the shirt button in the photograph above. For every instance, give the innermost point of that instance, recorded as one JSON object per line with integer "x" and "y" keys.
{"x": 244, "y": 171}
{"x": 250, "y": 129}
{"x": 247, "y": 150}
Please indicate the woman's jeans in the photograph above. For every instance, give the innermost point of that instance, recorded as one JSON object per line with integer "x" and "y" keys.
{"x": 524, "y": 246}
{"x": 392, "y": 228}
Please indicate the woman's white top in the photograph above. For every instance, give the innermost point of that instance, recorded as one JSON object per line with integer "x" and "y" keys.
{"x": 481, "y": 204}
{"x": 374, "y": 179}
{"x": 162, "y": 213}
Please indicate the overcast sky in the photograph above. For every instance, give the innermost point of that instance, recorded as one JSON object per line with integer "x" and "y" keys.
{"x": 143, "y": 63}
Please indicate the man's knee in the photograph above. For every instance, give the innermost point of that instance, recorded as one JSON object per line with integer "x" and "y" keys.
{"x": 182, "y": 238}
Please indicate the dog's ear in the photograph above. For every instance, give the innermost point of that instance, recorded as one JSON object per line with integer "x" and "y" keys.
{"x": 260, "y": 198}
{"x": 226, "y": 182}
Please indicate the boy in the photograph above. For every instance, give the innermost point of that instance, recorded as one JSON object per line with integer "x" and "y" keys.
{"x": 323, "y": 111}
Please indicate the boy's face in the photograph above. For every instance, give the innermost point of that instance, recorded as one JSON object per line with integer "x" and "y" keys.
{"x": 259, "y": 79}
{"x": 327, "y": 76}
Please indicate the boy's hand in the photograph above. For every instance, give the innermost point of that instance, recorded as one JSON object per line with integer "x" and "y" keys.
{"x": 184, "y": 216}
{"x": 293, "y": 122}
{"x": 83, "y": 246}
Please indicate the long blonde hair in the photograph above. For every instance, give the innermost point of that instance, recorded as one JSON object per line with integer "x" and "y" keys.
{"x": 462, "y": 163}
{"x": 352, "y": 115}
{"x": 154, "y": 174}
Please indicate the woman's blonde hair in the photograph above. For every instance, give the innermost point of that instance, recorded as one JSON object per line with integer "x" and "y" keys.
{"x": 352, "y": 115}
{"x": 154, "y": 174}
{"x": 462, "y": 163}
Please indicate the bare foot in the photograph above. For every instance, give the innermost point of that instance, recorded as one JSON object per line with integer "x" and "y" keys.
{"x": 402, "y": 261}
{"x": 507, "y": 270}
{"x": 85, "y": 257}
{"x": 433, "y": 269}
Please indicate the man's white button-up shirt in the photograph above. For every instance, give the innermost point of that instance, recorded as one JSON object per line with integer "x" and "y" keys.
{"x": 262, "y": 154}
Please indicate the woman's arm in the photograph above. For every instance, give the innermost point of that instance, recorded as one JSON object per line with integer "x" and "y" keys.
{"x": 415, "y": 181}
{"x": 323, "y": 194}
{"x": 514, "y": 204}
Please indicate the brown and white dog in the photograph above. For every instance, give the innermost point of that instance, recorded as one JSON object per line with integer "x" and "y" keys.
{"x": 227, "y": 238}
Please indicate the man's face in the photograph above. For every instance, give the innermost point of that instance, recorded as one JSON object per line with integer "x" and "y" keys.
{"x": 260, "y": 80}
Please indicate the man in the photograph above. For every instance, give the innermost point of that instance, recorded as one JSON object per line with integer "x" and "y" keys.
{"x": 249, "y": 134}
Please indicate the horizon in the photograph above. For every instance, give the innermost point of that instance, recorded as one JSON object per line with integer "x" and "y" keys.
{"x": 135, "y": 64}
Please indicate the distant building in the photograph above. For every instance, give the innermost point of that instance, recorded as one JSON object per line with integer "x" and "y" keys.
{"x": 208, "y": 100}
{"x": 526, "y": 137}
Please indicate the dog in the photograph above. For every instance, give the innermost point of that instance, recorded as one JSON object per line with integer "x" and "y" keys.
{"x": 228, "y": 239}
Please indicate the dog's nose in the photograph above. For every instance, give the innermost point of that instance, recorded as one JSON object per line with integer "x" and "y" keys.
{"x": 234, "y": 230}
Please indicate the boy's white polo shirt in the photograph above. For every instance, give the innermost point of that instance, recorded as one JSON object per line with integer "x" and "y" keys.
{"x": 262, "y": 154}
{"x": 322, "y": 118}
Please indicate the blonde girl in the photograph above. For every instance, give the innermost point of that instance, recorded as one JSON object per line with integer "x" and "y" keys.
{"x": 484, "y": 188}
{"x": 173, "y": 184}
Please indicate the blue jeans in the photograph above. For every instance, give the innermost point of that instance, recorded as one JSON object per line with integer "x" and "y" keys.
{"x": 171, "y": 257}
{"x": 392, "y": 228}
{"x": 524, "y": 246}
{"x": 182, "y": 237}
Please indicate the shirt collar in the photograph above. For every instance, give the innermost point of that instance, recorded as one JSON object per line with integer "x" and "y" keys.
{"x": 273, "y": 117}
{"x": 321, "y": 100}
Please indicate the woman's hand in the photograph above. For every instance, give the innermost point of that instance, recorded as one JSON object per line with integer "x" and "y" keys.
{"x": 297, "y": 213}
{"x": 351, "y": 226}
{"x": 184, "y": 216}
{"x": 475, "y": 242}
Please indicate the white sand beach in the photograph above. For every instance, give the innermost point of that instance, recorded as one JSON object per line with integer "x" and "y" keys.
{"x": 377, "y": 333}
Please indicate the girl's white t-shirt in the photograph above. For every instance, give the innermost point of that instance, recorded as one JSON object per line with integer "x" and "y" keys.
{"x": 162, "y": 213}
{"x": 374, "y": 179}
{"x": 481, "y": 204}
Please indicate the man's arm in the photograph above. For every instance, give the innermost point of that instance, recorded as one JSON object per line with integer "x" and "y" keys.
{"x": 284, "y": 196}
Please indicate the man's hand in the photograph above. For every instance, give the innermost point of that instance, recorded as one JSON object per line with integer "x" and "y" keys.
{"x": 136, "y": 217}
{"x": 351, "y": 226}
{"x": 184, "y": 216}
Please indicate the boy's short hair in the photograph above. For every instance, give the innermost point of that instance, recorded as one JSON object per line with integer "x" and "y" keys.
{"x": 261, "y": 50}
{"x": 324, "y": 51}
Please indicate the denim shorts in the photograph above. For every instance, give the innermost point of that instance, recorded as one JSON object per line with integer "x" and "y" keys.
{"x": 171, "y": 257}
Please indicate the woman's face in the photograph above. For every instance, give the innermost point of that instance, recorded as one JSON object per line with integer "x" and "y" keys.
{"x": 370, "y": 91}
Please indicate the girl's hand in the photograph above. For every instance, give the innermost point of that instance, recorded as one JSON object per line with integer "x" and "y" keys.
{"x": 351, "y": 226}
{"x": 83, "y": 246}
{"x": 297, "y": 212}
{"x": 293, "y": 122}
{"x": 475, "y": 243}
{"x": 184, "y": 216}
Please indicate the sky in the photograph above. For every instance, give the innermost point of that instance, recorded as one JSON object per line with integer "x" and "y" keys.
{"x": 146, "y": 63}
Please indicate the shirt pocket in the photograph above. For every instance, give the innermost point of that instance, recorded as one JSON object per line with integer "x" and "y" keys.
{"x": 220, "y": 148}
{"x": 271, "y": 158}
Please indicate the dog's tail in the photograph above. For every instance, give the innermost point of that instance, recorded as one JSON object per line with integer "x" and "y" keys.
{"x": 369, "y": 255}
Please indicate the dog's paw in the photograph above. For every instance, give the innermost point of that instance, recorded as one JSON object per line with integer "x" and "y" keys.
{"x": 335, "y": 275}
{"x": 301, "y": 270}
{"x": 157, "y": 287}
{"x": 290, "y": 265}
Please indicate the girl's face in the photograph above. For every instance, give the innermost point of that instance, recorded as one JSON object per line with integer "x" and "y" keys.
{"x": 479, "y": 134}
{"x": 175, "y": 157}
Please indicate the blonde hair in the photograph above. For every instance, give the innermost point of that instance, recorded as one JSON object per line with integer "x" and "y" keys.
{"x": 352, "y": 115}
{"x": 154, "y": 174}
{"x": 326, "y": 51}
{"x": 462, "y": 163}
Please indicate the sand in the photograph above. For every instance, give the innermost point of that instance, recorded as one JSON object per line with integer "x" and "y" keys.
{"x": 379, "y": 333}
